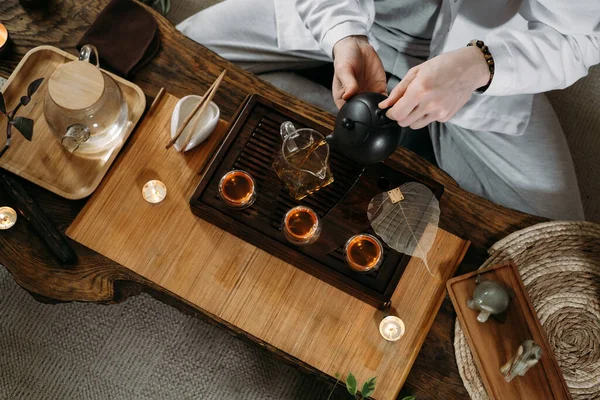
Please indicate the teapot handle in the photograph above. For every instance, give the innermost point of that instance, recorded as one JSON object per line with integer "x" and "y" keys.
{"x": 86, "y": 52}
{"x": 287, "y": 129}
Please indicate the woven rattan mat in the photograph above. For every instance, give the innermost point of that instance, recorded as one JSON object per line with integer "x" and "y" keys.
{"x": 560, "y": 266}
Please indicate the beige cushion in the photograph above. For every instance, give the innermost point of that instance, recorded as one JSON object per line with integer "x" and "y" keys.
{"x": 578, "y": 109}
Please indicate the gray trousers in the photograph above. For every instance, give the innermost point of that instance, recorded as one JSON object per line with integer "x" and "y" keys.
{"x": 532, "y": 173}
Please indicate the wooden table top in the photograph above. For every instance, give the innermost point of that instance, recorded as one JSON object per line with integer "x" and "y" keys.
{"x": 184, "y": 67}
{"x": 281, "y": 306}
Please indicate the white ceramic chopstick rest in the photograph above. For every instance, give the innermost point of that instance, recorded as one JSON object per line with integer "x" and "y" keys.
{"x": 203, "y": 128}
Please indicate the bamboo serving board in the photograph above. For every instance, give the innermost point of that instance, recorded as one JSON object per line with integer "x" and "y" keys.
{"x": 493, "y": 343}
{"x": 44, "y": 161}
{"x": 243, "y": 286}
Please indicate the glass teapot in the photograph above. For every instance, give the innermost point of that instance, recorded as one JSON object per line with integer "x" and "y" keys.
{"x": 84, "y": 107}
{"x": 303, "y": 162}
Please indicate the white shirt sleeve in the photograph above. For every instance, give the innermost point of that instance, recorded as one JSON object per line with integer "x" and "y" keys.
{"x": 560, "y": 45}
{"x": 330, "y": 21}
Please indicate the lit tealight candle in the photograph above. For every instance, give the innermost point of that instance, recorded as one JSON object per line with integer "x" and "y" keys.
{"x": 391, "y": 328}
{"x": 154, "y": 191}
{"x": 8, "y": 217}
{"x": 4, "y": 38}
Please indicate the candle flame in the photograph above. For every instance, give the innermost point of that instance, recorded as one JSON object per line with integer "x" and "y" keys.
{"x": 391, "y": 331}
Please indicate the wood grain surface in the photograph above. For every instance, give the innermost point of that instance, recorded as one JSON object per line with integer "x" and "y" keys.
{"x": 44, "y": 161}
{"x": 249, "y": 288}
{"x": 185, "y": 67}
{"x": 27, "y": 207}
{"x": 495, "y": 342}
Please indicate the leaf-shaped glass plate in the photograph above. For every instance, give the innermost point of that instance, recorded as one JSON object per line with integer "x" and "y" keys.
{"x": 408, "y": 226}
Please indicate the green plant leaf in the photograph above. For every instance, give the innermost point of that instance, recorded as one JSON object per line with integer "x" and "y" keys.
{"x": 166, "y": 6}
{"x": 410, "y": 398}
{"x": 162, "y": 6}
{"x": 25, "y": 100}
{"x": 25, "y": 126}
{"x": 34, "y": 86}
{"x": 351, "y": 384}
{"x": 368, "y": 387}
{"x": 2, "y": 104}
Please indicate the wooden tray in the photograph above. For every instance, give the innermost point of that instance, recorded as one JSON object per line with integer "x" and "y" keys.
{"x": 494, "y": 342}
{"x": 251, "y": 145}
{"x": 44, "y": 161}
{"x": 242, "y": 286}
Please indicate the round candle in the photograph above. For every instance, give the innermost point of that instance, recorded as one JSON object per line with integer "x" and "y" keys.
{"x": 154, "y": 191}
{"x": 237, "y": 189}
{"x": 391, "y": 328}
{"x": 8, "y": 217}
{"x": 3, "y": 37}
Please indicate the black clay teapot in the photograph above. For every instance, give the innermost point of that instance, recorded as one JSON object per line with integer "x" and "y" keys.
{"x": 362, "y": 131}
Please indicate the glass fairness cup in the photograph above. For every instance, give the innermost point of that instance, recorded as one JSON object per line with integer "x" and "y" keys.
{"x": 84, "y": 107}
{"x": 303, "y": 163}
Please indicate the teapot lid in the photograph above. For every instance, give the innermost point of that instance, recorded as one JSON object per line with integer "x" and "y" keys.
{"x": 76, "y": 85}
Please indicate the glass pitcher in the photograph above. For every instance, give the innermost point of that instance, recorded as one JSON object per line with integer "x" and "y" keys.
{"x": 303, "y": 163}
{"x": 84, "y": 107}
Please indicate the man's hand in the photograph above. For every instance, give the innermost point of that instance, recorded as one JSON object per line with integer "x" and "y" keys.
{"x": 357, "y": 69}
{"x": 438, "y": 88}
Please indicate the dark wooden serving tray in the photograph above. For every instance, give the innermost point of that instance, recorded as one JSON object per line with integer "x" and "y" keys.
{"x": 251, "y": 145}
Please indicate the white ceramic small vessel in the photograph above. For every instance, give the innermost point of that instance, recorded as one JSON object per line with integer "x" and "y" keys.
{"x": 206, "y": 124}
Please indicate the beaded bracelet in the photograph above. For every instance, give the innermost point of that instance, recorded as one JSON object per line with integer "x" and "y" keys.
{"x": 488, "y": 59}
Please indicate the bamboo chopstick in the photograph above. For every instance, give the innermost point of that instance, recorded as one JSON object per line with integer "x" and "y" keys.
{"x": 197, "y": 111}
{"x": 194, "y": 123}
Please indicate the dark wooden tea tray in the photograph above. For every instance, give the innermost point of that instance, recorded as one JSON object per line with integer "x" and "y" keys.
{"x": 251, "y": 144}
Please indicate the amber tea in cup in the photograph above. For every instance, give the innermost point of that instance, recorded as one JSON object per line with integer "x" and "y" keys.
{"x": 237, "y": 189}
{"x": 301, "y": 226}
{"x": 363, "y": 252}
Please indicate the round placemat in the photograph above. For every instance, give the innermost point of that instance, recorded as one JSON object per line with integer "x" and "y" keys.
{"x": 559, "y": 263}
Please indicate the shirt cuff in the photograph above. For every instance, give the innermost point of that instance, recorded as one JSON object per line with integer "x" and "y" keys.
{"x": 503, "y": 67}
{"x": 340, "y": 31}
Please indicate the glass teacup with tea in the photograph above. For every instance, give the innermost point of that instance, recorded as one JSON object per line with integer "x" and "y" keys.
{"x": 303, "y": 163}
{"x": 301, "y": 226}
{"x": 237, "y": 189}
{"x": 364, "y": 253}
